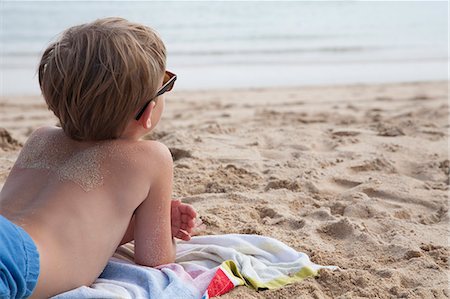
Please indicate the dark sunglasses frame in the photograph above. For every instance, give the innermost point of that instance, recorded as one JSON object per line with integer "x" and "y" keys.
{"x": 165, "y": 88}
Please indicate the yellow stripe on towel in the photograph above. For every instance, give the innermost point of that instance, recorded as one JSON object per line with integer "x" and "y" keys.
{"x": 231, "y": 269}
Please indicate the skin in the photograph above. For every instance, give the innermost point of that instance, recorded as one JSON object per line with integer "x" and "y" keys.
{"x": 77, "y": 231}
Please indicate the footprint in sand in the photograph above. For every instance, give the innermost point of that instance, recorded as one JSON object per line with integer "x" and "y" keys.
{"x": 338, "y": 208}
{"x": 378, "y": 164}
{"x": 294, "y": 223}
{"x": 231, "y": 177}
{"x": 360, "y": 210}
{"x": 267, "y": 212}
{"x": 341, "y": 229}
{"x": 283, "y": 184}
{"x": 322, "y": 214}
{"x": 360, "y": 206}
{"x": 269, "y": 216}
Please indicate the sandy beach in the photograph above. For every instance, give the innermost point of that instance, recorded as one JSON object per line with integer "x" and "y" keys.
{"x": 355, "y": 176}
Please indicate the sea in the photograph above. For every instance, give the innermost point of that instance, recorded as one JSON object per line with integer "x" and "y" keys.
{"x": 248, "y": 44}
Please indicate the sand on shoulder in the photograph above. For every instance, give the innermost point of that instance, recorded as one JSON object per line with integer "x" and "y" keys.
{"x": 355, "y": 176}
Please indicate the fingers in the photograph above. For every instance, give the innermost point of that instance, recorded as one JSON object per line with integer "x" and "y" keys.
{"x": 185, "y": 233}
{"x": 187, "y": 223}
{"x": 191, "y": 223}
{"x": 188, "y": 210}
{"x": 187, "y": 228}
{"x": 182, "y": 235}
{"x": 186, "y": 219}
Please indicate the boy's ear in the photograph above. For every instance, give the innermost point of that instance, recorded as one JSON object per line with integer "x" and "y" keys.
{"x": 146, "y": 118}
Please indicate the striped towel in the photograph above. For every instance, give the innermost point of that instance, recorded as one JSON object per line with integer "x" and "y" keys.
{"x": 205, "y": 267}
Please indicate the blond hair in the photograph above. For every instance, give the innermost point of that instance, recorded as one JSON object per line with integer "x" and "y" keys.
{"x": 96, "y": 75}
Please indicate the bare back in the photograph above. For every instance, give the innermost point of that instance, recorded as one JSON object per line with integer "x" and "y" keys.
{"x": 76, "y": 200}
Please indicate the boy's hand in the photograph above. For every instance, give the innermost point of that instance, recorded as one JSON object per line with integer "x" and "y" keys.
{"x": 182, "y": 220}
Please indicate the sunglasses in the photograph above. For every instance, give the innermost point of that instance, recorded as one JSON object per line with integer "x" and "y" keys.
{"x": 168, "y": 83}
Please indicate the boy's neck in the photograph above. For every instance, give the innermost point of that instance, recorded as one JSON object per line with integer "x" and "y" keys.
{"x": 133, "y": 132}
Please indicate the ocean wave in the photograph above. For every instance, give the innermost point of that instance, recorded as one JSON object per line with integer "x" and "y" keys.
{"x": 231, "y": 52}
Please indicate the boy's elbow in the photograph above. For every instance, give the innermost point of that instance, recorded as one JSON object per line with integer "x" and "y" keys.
{"x": 153, "y": 263}
{"x": 171, "y": 253}
{"x": 155, "y": 259}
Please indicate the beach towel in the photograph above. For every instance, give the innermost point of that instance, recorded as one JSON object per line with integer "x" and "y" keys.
{"x": 205, "y": 267}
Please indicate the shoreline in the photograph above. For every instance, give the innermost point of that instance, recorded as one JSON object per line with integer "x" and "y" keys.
{"x": 356, "y": 176}
{"x": 24, "y": 81}
{"x": 5, "y": 97}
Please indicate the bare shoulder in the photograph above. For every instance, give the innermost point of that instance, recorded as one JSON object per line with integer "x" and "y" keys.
{"x": 40, "y": 141}
{"x": 42, "y": 132}
{"x": 148, "y": 156}
{"x": 142, "y": 164}
{"x": 153, "y": 155}
{"x": 43, "y": 136}
{"x": 155, "y": 152}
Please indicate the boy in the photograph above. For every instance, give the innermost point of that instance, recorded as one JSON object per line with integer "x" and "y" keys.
{"x": 78, "y": 192}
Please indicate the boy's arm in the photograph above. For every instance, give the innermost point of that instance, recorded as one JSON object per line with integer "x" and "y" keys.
{"x": 154, "y": 244}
